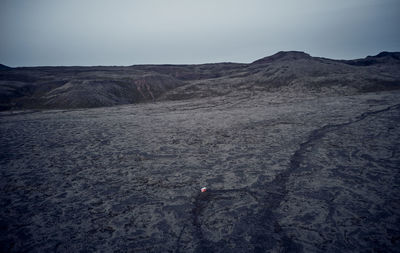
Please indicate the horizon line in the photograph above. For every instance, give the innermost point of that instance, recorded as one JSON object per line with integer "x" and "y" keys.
{"x": 185, "y": 64}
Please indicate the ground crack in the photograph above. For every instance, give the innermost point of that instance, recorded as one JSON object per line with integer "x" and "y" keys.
{"x": 272, "y": 194}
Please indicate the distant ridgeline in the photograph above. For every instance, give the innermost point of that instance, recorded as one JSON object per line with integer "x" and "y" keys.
{"x": 84, "y": 87}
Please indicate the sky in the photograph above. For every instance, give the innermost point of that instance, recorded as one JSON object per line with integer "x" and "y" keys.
{"x": 127, "y": 32}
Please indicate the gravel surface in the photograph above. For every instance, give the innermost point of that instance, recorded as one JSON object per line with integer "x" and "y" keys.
{"x": 284, "y": 173}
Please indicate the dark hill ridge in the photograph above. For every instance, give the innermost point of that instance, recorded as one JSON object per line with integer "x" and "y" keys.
{"x": 381, "y": 58}
{"x": 3, "y": 67}
{"x": 284, "y": 56}
{"x": 292, "y": 71}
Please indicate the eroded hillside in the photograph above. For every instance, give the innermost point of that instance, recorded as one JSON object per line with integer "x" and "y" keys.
{"x": 82, "y": 87}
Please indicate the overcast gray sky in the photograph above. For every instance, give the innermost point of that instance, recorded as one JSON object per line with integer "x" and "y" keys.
{"x": 126, "y": 32}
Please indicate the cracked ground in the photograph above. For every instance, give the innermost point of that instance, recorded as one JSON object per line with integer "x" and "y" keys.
{"x": 284, "y": 173}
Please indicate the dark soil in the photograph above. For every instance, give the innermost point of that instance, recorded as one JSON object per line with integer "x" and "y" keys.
{"x": 285, "y": 172}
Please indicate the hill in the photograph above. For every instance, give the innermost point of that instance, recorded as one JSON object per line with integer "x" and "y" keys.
{"x": 4, "y": 67}
{"x": 292, "y": 71}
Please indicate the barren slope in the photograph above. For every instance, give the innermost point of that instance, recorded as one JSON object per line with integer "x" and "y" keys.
{"x": 82, "y": 87}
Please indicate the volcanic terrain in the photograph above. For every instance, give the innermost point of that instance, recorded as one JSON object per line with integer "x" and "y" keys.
{"x": 298, "y": 154}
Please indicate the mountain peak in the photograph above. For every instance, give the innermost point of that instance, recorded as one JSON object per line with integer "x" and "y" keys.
{"x": 284, "y": 56}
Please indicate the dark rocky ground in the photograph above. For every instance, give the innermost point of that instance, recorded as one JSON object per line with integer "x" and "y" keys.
{"x": 299, "y": 154}
{"x": 286, "y": 172}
